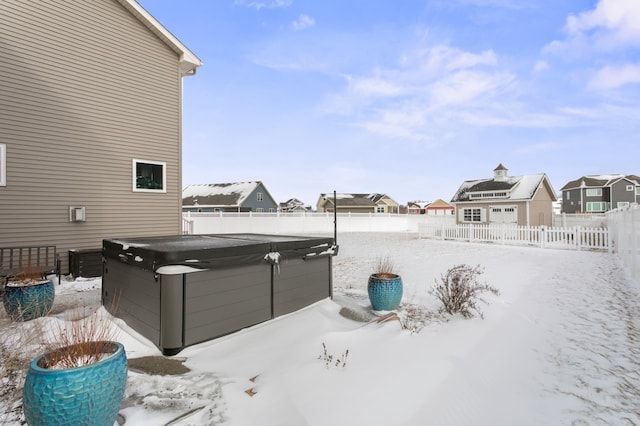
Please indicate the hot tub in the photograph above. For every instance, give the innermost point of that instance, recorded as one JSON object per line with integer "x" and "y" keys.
{"x": 181, "y": 290}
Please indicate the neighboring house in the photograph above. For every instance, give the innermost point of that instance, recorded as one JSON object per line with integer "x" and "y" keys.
{"x": 417, "y": 207}
{"x": 294, "y": 205}
{"x": 358, "y": 203}
{"x": 228, "y": 197}
{"x": 439, "y": 208}
{"x": 90, "y": 123}
{"x": 522, "y": 200}
{"x": 600, "y": 193}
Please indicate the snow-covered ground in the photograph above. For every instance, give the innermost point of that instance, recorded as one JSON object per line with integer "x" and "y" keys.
{"x": 559, "y": 346}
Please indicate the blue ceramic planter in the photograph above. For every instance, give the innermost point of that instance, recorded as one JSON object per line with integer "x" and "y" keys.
{"x": 87, "y": 395}
{"x": 27, "y": 302}
{"x": 385, "y": 293}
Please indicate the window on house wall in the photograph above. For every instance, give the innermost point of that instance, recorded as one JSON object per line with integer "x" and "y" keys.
{"x": 629, "y": 187}
{"x": 149, "y": 176}
{"x": 597, "y": 206}
{"x": 272, "y": 210}
{"x": 475, "y": 195}
{"x": 568, "y": 195}
{"x": 259, "y": 210}
{"x": 259, "y": 196}
{"x": 3, "y": 164}
{"x": 622, "y": 204}
{"x": 637, "y": 190}
{"x": 471, "y": 215}
{"x": 594, "y": 192}
{"x": 380, "y": 209}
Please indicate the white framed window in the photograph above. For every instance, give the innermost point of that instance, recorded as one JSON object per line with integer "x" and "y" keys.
{"x": 380, "y": 209}
{"x": 3, "y": 164}
{"x": 600, "y": 206}
{"x": 629, "y": 187}
{"x": 259, "y": 196}
{"x": 594, "y": 192}
{"x": 568, "y": 197}
{"x": 259, "y": 210}
{"x": 637, "y": 190}
{"x": 149, "y": 176}
{"x": 622, "y": 204}
{"x": 472, "y": 215}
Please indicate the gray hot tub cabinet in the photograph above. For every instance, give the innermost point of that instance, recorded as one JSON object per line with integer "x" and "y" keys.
{"x": 181, "y": 290}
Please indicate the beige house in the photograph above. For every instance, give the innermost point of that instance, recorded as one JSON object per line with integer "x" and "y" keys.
{"x": 357, "y": 203}
{"x": 518, "y": 200}
{"x": 90, "y": 123}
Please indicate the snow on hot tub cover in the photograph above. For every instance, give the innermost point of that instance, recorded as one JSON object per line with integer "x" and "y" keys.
{"x": 197, "y": 252}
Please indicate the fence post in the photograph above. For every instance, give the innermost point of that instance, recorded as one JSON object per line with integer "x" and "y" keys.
{"x": 470, "y": 232}
{"x": 543, "y": 237}
{"x": 577, "y": 237}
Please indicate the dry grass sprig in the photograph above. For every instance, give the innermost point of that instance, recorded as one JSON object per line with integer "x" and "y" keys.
{"x": 79, "y": 340}
{"x": 330, "y": 360}
{"x": 384, "y": 267}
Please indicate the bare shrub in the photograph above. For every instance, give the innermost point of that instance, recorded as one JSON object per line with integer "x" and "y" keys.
{"x": 460, "y": 291}
{"x": 18, "y": 342}
{"x": 414, "y": 317}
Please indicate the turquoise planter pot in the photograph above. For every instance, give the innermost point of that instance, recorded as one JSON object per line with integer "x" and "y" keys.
{"x": 385, "y": 293}
{"x": 27, "y": 302}
{"x": 89, "y": 395}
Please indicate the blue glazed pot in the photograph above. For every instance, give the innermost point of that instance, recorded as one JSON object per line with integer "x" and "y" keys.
{"x": 385, "y": 292}
{"x": 87, "y": 395}
{"x": 28, "y": 301}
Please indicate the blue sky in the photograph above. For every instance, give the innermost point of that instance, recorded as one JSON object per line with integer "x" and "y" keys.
{"x": 408, "y": 98}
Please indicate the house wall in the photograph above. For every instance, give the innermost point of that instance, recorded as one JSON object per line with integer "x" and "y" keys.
{"x": 571, "y": 201}
{"x": 540, "y": 209}
{"x": 85, "y": 88}
{"x": 268, "y": 204}
{"x": 619, "y": 193}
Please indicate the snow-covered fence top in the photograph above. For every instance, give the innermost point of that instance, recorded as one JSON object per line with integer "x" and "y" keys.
{"x": 577, "y": 238}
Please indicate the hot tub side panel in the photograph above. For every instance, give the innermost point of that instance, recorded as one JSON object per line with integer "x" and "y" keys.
{"x": 134, "y": 295}
{"x": 298, "y": 283}
{"x": 222, "y": 301}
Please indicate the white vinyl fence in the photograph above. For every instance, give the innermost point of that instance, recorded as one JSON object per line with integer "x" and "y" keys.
{"x": 304, "y": 223}
{"x": 624, "y": 226}
{"x": 576, "y": 238}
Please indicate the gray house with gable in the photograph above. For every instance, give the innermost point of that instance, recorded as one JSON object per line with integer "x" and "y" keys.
{"x": 600, "y": 193}
{"x": 228, "y": 197}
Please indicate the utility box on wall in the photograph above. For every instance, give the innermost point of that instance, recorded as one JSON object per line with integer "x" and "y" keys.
{"x": 85, "y": 263}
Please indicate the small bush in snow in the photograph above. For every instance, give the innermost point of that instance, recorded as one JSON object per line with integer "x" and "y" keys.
{"x": 460, "y": 291}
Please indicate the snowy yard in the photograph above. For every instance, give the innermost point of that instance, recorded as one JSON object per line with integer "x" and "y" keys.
{"x": 560, "y": 345}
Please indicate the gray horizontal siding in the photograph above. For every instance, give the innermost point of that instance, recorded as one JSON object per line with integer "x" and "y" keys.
{"x": 85, "y": 88}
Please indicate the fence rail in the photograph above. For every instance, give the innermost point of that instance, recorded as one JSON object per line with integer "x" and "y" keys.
{"x": 576, "y": 238}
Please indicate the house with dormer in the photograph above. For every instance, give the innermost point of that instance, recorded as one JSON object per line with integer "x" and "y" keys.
{"x": 600, "y": 193}
{"x": 294, "y": 205}
{"x": 228, "y": 197}
{"x": 357, "y": 203}
{"x": 525, "y": 200}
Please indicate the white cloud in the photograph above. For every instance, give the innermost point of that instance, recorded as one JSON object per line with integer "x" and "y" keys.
{"x": 264, "y": 4}
{"x": 445, "y": 58}
{"x": 611, "y": 25}
{"x": 303, "y": 22}
{"x": 612, "y": 77}
{"x": 540, "y": 66}
{"x": 374, "y": 86}
{"x": 466, "y": 86}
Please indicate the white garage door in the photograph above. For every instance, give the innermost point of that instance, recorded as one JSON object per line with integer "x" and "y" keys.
{"x": 503, "y": 214}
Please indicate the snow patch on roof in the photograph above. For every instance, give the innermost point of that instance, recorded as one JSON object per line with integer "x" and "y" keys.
{"x": 211, "y": 189}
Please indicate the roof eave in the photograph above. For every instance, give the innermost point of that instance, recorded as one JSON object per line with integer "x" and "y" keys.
{"x": 188, "y": 60}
